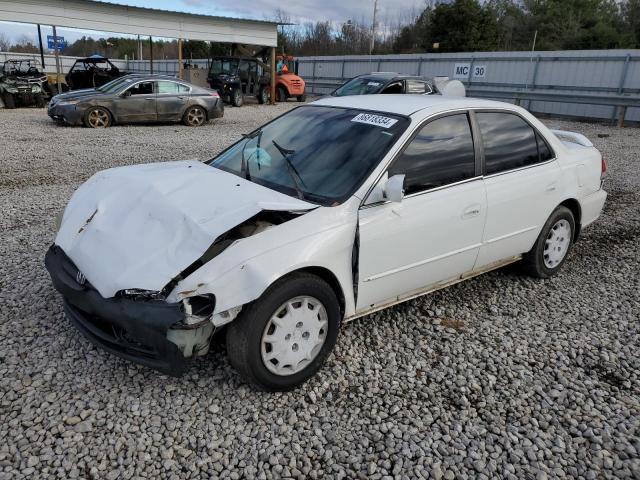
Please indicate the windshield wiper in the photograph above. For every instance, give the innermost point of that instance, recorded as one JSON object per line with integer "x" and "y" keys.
{"x": 295, "y": 176}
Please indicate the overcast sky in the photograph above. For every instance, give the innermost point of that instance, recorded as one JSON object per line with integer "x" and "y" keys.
{"x": 299, "y": 11}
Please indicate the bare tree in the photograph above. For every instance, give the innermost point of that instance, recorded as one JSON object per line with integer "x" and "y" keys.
{"x": 5, "y": 43}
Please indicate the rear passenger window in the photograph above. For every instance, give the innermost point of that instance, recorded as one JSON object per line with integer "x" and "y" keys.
{"x": 509, "y": 142}
{"x": 440, "y": 154}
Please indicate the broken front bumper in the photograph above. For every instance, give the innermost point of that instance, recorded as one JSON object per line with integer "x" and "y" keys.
{"x": 65, "y": 114}
{"x": 135, "y": 330}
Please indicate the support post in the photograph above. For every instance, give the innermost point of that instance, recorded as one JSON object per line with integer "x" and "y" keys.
{"x": 272, "y": 86}
{"x": 41, "y": 49}
{"x": 180, "y": 73}
{"x": 151, "y": 54}
{"x": 57, "y": 54}
{"x": 621, "y": 115}
{"x": 623, "y": 79}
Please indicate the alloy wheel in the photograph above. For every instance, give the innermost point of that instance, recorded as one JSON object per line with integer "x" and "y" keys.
{"x": 98, "y": 118}
{"x": 195, "y": 117}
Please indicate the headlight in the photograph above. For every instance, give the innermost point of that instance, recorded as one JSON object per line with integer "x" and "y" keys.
{"x": 140, "y": 294}
{"x": 67, "y": 102}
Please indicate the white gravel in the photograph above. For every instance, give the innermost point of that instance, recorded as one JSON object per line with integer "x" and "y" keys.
{"x": 499, "y": 377}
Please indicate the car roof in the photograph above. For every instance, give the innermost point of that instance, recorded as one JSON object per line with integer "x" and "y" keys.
{"x": 403, "y": 104}
{"x": 390, "y": 76}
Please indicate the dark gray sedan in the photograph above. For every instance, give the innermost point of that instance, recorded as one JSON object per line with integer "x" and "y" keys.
{"x": 137, "y": 98}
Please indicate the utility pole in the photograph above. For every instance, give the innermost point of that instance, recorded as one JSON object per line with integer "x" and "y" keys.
{"x": 373, "y": 27}
{"x": 55, "y": 50}
{"x": 41, "y": 49}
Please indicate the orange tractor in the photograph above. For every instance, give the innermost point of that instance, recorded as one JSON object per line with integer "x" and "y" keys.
{"x": 288, "y": 83}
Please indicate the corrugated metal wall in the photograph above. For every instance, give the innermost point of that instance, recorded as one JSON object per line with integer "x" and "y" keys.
{"x": 597, "y": 72}
{"x": 610, "y": 72}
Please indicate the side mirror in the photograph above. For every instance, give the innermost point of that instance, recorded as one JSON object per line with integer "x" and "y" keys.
{"x": 126, "y": 94}
{"x": 394, "y": 189}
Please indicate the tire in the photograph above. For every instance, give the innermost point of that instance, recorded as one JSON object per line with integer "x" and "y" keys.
{"x": 552, "y": 246}
{"x": 97, "y": 117}
{"x": 194, "y": 117}
{"x": 8, "y": 100}
{"x": 39, "y": 100}
{"x": 237, "y": 99}
{"x": 248, "y": 347}
{"x": 263, "y": 95}
{"x": 302, "y": 98}
{"x": 281, "y": 94}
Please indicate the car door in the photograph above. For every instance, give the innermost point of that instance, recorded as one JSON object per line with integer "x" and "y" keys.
{"x": 521, "y": 179}
{"x": 433, "y": 235}
{"x": 137, "y": 103}
{"x": 171, "y": 99}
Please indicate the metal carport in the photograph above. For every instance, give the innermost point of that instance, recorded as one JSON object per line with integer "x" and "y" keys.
{"x": 108, "y": 17}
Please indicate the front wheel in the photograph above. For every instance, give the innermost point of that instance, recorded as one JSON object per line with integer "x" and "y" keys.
{"x": 8, "y": 100}
{"x": 237, "y": 98}
{"x": 552, "y": 246}
{"x": 97, "y": 117}
{"x": 282, "y": 339}
{"x": 39, "y": 100}
{"x": 263, "y": 95}
{"x": 281, "y": 94}
{"x": 194, "y": 117}
{"x": 302, "y": 98}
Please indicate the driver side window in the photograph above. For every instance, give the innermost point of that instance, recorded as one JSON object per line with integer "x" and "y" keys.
{"x": 441, "y": 153}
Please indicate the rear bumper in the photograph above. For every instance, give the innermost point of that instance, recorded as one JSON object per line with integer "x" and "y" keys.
{"x": 135, "y": 330}
{"x": 217, "y": 111}
{"x": 592, "y": 206}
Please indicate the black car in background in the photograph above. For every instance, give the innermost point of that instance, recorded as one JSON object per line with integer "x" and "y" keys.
{"x": 234, "y": 77}
{"x": 392, "y": 82}
{"x": 92, "y": 72}
{"x": 137, "y": 99}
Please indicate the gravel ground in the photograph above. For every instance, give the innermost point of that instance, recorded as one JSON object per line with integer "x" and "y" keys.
{"x": 499, "y": 377}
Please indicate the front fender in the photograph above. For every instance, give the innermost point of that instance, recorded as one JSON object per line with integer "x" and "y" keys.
{"x": 247, "y": 268}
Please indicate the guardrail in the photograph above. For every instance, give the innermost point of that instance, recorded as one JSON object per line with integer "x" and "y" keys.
{"x": 622, "y": 102}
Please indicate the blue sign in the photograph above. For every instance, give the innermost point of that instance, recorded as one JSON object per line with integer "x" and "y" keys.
{"x": 51, "y": 42}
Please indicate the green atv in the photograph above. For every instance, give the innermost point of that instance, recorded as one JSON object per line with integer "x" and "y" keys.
{"x": 22, "y": 84}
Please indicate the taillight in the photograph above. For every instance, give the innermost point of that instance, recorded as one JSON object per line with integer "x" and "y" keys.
{"x": 215, "y": 94}
{"x": 603, "y": 168}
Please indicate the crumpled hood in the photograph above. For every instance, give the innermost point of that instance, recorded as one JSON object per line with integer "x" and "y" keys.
{"x": 140, "y": 226}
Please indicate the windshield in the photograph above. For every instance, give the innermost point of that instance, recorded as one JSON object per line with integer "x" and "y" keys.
{"x": 320, "y": 154}
{"x": 115, "y": 85}
{"x": 360, "y": 86}
{"x": 222, "y": 66}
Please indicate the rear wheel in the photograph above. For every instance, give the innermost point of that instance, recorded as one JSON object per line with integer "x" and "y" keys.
{"x": 302, "y": 98}
{"x": 552, "y": 246}
{"x": 194, "y": 117}
{"x": 263, "y": 95}
{"x": 282, "y": 339}
{"x": 97, "y": 117}
{"x": 8, "y": 100}
{"x": 237, "y": 99}
{"x": 281, "y": 94}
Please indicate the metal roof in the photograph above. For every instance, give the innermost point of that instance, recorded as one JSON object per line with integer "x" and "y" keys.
{"x": 124, "y": 19}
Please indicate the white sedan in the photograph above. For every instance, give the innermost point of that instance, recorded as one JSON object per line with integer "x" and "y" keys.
{"x": 330, "y": 212}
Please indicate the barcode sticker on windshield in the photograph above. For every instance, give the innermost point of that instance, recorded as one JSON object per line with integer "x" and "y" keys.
{"x": 373, "y": 84}
{"x": 377, "y": 120}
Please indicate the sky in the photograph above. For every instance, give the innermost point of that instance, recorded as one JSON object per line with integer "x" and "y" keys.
{"x": 299, "y": 11}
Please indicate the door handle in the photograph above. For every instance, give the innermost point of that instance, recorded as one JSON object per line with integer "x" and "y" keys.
{"x": 149, "y": 98}
{"x": 471, "y": 211}
{"x": 181, "y": 98}
{"x": 551, "y": 187}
